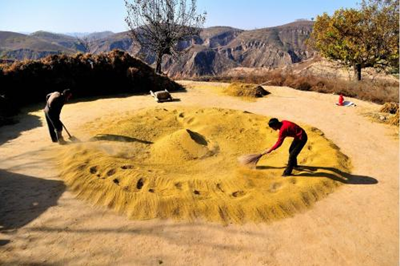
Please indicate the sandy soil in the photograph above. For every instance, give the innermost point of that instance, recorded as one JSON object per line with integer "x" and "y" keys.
{"x": 42, "y": 222}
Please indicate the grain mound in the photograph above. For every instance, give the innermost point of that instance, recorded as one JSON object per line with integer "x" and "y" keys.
{"x": 245, "y": 90}
{"x": 181, "y": 163}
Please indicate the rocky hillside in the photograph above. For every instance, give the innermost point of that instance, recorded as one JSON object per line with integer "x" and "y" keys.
{"x": 219, "y": 51}
{"x": 212, "y": 52}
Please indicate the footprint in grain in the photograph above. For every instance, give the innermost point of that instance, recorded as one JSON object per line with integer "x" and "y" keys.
{"x": 238, "y": 194}
{"x": 111, "y": 172}
{"x": 274, "y": 187}
{"x": 93, "y": 170}
{"x": 125, "y": 167}
{"x": 178, "y": 185}
{"x": 140, "y": 183}
{"x": 219, "y": 186}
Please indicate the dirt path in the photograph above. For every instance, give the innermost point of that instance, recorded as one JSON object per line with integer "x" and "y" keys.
{"x": 356, "y": 225}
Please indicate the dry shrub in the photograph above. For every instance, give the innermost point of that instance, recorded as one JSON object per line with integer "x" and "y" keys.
{"x": 116, "y": 72}
{"x": 299, "y": 83}
{"x": 391, "y": 108}
{"x": 245, "y": 90}
{"x": 276, "y": 78}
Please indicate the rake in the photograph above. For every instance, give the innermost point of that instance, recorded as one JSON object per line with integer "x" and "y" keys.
{"x": 71, "y": 138}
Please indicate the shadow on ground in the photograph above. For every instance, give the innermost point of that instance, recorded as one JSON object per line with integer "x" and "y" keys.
{"x": 120, "y": 138}
{"x": 24, "y": 122}
{"x": 24, "y": 198}
{"x": 328, "y": 172}
{"x": 172, "y": 233}
{"x": 120, "y": 95}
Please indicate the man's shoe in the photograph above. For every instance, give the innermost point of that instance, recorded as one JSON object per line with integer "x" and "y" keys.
{"x": 61, "y": 141}
{"x": 286, "y": 174}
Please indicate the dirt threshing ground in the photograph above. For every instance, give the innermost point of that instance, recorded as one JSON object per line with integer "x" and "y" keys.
{"x": 44, "y": 223}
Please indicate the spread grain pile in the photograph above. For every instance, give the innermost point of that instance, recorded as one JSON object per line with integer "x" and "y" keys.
{"x": 245, "y": 90}
{"x": 181, "y": 163}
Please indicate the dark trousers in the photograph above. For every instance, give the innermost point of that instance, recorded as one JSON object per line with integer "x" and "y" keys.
{"x": 54, "y": 124}
{"x": 294, "y": 150}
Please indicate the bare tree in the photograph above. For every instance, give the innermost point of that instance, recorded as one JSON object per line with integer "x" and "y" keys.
{"x": 158, "y": 25}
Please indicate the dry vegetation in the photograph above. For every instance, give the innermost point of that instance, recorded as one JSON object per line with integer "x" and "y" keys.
{"x": 377, "y": 91}
{"x": 391, "y": 108}
{"x": 392, "y": 111}
{"x": 388, "y": 114}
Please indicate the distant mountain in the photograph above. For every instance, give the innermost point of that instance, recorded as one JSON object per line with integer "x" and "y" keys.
{"x": 120, "y": 41}
{"x": 90, "y": 35}
{"x": 19, "y": 46}
{"x": 59, "y": 39}
{"x": 77, "y": 34}
{"x": 204, "y": 54}
{"x": 99, "y": 35}
{"x": 212, "y": 52}
{"x": 271, "y": 47}
{"x": 220, "y": 49}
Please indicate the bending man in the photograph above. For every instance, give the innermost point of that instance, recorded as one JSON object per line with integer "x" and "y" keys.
{"x": 288, "y": 129}
{"x": 54, "y": 103}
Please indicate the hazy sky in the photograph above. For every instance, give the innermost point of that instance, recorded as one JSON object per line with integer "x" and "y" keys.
{"x": 101, "y": 15}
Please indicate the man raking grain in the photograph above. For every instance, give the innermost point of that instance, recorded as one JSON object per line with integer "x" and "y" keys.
{"x": 286, "y": 129}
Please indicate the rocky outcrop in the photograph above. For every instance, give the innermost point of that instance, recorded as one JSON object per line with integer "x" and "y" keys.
{"x": 223, "y": 48}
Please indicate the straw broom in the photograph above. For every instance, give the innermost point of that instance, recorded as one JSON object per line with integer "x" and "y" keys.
{"x": 250, "y": 160}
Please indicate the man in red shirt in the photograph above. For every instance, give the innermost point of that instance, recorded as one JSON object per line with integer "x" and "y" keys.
{"x": 288, "y": 129}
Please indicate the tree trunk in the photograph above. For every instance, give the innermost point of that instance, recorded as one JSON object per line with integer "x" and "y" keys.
{"x": 159, "y": 61}
{"x": 357, "y": 71}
